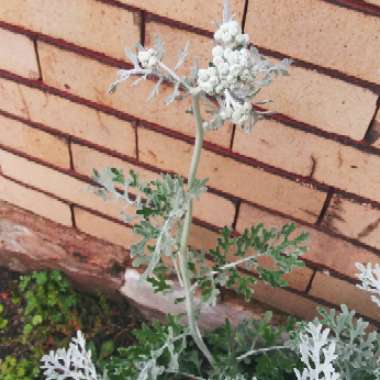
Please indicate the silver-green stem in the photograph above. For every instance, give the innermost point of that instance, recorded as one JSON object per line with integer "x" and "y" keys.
{"x": 261, "y": 351}
{"x": 183, "y": 251}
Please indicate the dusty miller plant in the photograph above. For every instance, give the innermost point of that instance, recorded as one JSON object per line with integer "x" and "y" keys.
{"x": 236, "y": 74}
{"x": 331, "y": 348}
{"x": 227, "y": 87}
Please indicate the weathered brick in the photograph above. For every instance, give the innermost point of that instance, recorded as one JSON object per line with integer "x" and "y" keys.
{"x": 306, "y": 154}
{"x": 354, "y": 220}
{"x": 17, "y": 54}
{"x": 323, "y": 249}
{"x": 34, "y": 142}
{"x": 339, "y": 292}
{"x": 284, "y": 300}
{"x": 210, "y": 207}
{"x": 71, "y": 72}
{"x": 330, "y": 104}
{"x": 91, "y": 24}
{"x": 104, "y": 229}
{"x": 233, "y": 177}
{"x": 68, "y": 117}
{"x": 35, "y": 201}
{"x": 56, "y": 183}
{"x": 29, "y": 242}
{"x": 175, "y": 40}
{"x": 192, "y": 12}
{"x": 318, "y": 32}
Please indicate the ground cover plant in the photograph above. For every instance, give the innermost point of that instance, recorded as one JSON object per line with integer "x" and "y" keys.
{"x": 40, "y": 311}
{"x": 334, "y": 346}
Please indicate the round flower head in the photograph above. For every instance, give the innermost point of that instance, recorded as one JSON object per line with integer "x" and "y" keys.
{"x": 228, "y": 33}
{"x": 236, "y": 73}
{"x": 148, "y": 58}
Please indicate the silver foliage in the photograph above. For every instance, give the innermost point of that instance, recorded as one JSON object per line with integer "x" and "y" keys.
{"x": 357, "y": 347}
{"x": 369, "y": 276}
{"x": 318, "y": 354}
{"x": 72, "y": 364}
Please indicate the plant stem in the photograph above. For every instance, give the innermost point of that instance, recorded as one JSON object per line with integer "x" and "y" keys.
{"x": 183, "y": 253}
{"x": 261, "y": 351}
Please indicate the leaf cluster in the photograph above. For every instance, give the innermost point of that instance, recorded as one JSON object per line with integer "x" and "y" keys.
{"x": 48, "y": 300}
{"x": 269, "y": 253}
{"x": 160, "y": 206}
{"x": 44, "y": 312}
{"x": 226, "y": 343}
{"x": 12, "y": 368}
{"x": 357, "y": 345}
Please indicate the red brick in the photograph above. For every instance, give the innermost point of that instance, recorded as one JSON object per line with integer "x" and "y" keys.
{"x": 350, "y": 169}
{"x": 87, "y": 23}
{"x": 104, "y": 229}
{"x": 354, "y": 220}
{"x": 34, "y": 142}
{"x": 192, "y": 12}
{"x": 339, "y": 292}
{"x": 233, "y": 177}
{"x": 17, "y": 54}
{"x": 318, "y": 32}
{"x": 327, "y": 161}
{"x": 71, "y": 72}
{"x": 202, "y": 238}
{"x": 322, "y": 101}
{"x": 175, "y": 40}
{"x": 35, "y": 201}
{"x": 210, "y": 207}
{"x": 278, "y": 145}
{"x": 56, "y": 183}
{"x": 68, "y": 117}
{"x": 284, "y": 300}
{"x": 323, "y": 249}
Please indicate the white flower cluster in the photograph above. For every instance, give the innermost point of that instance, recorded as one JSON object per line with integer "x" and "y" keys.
{"x": 74, "y": 363}
{"x": 235, "y": 75}
{"x": 148, "y": 58}
{"x": 231, "y": 61}
{"x": 229, "y": 34}
{"x": 369, "y": 277}
{"x": 317, "y": 353}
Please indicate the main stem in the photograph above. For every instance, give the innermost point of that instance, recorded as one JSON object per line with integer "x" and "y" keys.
{"x": 183, "y": 251}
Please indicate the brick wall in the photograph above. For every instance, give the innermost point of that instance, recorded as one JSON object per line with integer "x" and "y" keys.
{"x": 316, "y": 162}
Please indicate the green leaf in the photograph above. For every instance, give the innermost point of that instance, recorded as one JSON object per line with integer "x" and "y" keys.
{"x": 3, "y": 323}
{"x": 37, "y": 320}
{"x": 106, "y": 349}
{"x": 28, "y": 328}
